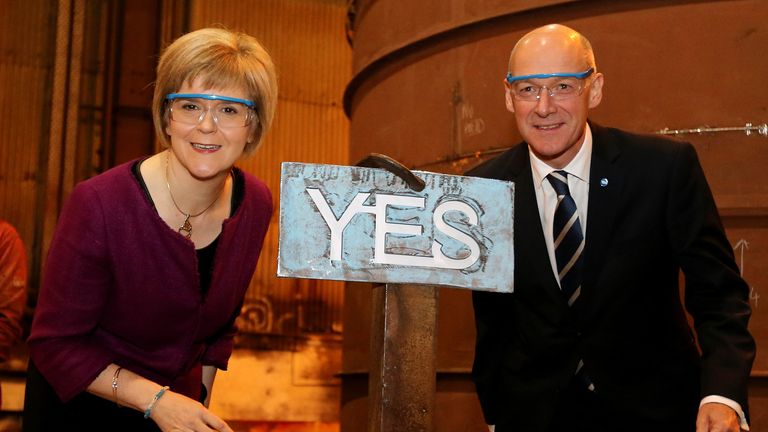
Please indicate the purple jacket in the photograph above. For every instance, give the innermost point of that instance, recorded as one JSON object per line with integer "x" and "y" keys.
{"x": 122, "y": 287}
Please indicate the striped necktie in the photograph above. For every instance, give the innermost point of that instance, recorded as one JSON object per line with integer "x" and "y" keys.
{"x": 569, "y": 247}
{"x": 568, "y": 238}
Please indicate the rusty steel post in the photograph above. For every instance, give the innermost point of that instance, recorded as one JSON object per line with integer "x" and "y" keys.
{"x": 402, "y": 380}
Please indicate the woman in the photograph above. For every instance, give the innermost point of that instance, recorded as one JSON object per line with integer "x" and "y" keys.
{"x": 151, "y": 260}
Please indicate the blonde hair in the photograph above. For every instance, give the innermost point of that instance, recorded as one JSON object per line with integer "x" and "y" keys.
{"x": 220, "y": 58}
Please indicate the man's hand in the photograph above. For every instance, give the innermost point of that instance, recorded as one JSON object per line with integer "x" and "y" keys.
{"x": 716, "y": 417}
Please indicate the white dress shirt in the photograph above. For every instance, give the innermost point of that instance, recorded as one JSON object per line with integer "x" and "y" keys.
{"x": 578, "y": 185}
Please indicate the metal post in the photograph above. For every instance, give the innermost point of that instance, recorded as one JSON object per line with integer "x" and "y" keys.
{"x": 401, "y": 385}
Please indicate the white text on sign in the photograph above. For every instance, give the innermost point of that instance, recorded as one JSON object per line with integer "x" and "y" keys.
{"x": 379, "y": 210}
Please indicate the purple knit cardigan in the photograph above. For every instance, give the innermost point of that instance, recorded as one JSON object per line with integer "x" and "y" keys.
{"x": 122, "y": 287}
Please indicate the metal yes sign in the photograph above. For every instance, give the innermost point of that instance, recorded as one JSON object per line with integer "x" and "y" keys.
{"x": 365, "y": 224}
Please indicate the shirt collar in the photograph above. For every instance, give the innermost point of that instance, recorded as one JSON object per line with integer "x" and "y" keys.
{"x": 578, "y": 167}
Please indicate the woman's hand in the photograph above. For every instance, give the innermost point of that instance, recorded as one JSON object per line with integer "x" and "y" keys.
{"x": 171, "y": 411}
{"x": 175, "y": 412}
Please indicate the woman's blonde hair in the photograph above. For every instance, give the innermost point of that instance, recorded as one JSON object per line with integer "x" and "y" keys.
{"x": 220, "y": 58}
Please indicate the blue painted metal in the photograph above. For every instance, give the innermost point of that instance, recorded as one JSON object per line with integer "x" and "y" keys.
{"x": 365, "y": 224}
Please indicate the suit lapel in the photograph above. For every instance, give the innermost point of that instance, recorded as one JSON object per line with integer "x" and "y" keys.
{"x": 530, "y": 249}
{"x": 606, "y": 182}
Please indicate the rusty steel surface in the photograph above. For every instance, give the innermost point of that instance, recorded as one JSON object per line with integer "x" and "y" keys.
{"x": 434, "y": 97}
{"x": 402, "y": 378}
{"x": 381, "y": 28}
{"x": 427, "y": 89}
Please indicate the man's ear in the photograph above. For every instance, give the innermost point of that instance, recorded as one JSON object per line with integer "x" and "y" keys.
{"x": 508, "y": 98}
{"x": 596, "y": 91}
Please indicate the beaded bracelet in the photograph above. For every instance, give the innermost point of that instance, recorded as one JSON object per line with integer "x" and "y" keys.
{"x": 114, "y": 385}
{"x": 157, "y": 397}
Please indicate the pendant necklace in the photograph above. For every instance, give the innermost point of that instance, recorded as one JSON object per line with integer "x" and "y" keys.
{"x": 186, "y": 228}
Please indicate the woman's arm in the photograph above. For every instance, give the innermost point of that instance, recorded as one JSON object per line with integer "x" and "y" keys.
{"x": 171, "y": 411}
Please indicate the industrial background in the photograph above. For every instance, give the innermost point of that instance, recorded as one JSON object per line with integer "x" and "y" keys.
{"x": 420, "y": 81}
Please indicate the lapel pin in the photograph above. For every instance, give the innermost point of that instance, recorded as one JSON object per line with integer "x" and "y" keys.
{"x": 603, "y": 182}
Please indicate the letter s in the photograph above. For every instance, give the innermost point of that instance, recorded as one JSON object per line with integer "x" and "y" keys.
{"x": 474, "y": 249}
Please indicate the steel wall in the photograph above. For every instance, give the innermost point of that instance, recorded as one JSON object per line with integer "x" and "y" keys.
{"x": 427, "y": 90}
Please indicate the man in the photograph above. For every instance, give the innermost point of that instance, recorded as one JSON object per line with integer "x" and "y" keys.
{"x": 595, "y": 337}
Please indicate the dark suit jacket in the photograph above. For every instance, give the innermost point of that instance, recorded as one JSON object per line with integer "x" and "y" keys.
{"x": 655, "y": 216}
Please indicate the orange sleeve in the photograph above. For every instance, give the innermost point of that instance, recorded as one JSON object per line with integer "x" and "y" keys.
{"x": 13, "y": 287}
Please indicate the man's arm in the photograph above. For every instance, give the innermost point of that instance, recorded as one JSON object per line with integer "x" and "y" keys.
{"x": 715, "y": 294}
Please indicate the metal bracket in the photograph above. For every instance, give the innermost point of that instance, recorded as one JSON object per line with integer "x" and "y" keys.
{"x": 377, "y": 160}
{"x": 747, "y": 129}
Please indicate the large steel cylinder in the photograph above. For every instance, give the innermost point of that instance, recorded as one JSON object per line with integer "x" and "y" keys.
{"x": 427, "y": 90}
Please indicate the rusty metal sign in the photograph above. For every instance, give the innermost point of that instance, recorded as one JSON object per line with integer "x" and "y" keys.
{"x": 367, "y": 225}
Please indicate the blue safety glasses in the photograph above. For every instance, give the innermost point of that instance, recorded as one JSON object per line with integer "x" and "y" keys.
{"x": 562, "y": 86}
{"x": 172, "y": 96}
{"x": 577, "y": 75}
{"x": 229, "y": 112}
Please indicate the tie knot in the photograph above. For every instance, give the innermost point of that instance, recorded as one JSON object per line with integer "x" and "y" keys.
{"x": 559, "y": 181}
